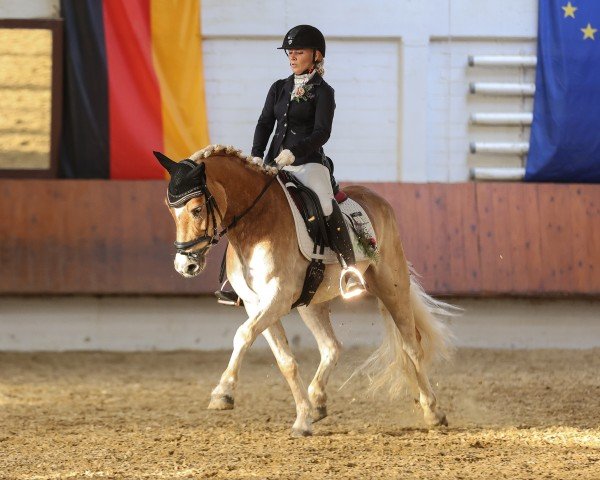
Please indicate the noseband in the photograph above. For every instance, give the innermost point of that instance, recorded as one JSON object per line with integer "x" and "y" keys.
{"x": 212, "y": 207}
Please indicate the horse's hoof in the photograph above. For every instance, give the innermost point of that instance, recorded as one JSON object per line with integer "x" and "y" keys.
{"x": 319, "y": 413}
{"x": 299, "y": 433}
{"x": 442, "y": 422}
{"x": 221, "y": 402}
{"x": 437, "y": 419}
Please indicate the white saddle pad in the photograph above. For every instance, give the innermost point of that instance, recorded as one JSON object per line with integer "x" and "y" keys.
{"x": 351, "y": 209}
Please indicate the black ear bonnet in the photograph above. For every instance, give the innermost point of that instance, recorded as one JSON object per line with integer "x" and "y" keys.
{"x": 188, "y": 180}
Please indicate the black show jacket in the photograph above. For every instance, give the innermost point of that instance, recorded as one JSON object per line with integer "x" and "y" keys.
{"x": 302, "y": 127}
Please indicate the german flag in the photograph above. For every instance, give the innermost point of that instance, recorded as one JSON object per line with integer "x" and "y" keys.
{"x": 133, "y": 84}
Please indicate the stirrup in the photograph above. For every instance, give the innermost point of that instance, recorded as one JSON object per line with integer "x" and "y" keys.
{"x": 352, "y": 283}
{"x": 228, "y": 297}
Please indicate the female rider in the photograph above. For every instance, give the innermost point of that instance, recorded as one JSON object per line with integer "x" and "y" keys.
{"x": 301, "y": 108}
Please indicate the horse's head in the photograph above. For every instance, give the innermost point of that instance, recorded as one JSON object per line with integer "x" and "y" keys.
{"x": 197, "y": 209}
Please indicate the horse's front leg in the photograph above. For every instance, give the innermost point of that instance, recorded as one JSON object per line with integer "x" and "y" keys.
{"x": 317, "y": 319}
{"x": 275, "y": 335}
{"x": 259, "y": 319}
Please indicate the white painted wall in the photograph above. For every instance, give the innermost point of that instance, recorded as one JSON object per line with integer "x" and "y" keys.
{"x": 399, "y": 68}
{"x": 169, "y": 323}
{"x": 29, "y": 8}
{"x": 236, "y": 94}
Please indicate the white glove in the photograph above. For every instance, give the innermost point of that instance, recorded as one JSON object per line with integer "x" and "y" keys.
{"x": 285, "y": 158}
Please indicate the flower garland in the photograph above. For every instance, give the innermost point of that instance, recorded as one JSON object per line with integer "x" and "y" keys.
{"x": 366, "y": 243}
{"x": 302, "y": 92}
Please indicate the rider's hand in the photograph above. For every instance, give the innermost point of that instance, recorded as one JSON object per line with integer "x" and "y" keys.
{"x": 285, "y": 158}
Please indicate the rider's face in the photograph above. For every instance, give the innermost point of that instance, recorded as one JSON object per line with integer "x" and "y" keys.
{"x": 301, "y": 59}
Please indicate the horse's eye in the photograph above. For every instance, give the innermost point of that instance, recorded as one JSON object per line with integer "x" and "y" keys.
{"x": 196, "y": 212}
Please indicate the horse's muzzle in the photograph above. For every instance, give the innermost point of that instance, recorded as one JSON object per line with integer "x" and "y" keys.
{"x": 189, "y": 267}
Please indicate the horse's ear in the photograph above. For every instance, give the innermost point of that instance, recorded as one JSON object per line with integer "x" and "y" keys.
{"x": 166, "y": 162}
{"x": 197, "y": 172}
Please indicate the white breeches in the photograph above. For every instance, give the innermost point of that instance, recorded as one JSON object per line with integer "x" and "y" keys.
{"x": 316, "y": 177}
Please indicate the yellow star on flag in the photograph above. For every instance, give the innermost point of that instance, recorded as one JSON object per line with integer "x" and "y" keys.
{"x": 569, "y": 10}
{"x": 588, "y": 32}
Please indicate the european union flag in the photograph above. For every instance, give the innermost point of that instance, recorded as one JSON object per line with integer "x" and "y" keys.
{"x": 565, "y": 134}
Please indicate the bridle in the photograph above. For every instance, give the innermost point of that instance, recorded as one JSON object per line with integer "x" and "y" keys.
{"x": 211, "y": 207}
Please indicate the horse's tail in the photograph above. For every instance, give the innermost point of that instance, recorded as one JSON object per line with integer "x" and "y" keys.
{"x": 436, "y": 337}
{"x": 389, "y": 367}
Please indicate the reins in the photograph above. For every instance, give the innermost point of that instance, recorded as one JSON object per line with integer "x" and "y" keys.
{"x": 237, "y": 218}
{"x": 211, "y": 206}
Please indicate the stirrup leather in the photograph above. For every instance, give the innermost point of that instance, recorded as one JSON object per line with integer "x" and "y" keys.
{"x": 352, "y": 283}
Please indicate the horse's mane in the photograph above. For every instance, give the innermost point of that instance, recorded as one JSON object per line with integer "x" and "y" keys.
{"x": 229, "y": 150}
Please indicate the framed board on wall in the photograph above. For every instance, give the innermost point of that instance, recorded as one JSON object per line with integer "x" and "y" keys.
{"x": 31, "y": 70}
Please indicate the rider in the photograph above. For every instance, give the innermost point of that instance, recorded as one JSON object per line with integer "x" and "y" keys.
{"x": 302, "y": 107}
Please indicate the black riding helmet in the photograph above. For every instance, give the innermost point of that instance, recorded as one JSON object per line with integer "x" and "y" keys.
{"x": 304, "y": 36}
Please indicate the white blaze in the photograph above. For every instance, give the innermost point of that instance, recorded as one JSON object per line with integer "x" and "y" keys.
{"x": 179, "y": 211}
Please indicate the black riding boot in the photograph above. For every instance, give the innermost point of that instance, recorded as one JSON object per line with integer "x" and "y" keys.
{"x": 351, "y": 281}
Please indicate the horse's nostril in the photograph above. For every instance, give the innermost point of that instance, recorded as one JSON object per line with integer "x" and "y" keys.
{"x": 192, "y": 268}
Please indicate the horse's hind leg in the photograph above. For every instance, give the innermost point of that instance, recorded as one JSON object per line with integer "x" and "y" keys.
{"x": 317, "y": 319}
{"x": 275, "y": 335}
{"x": 390, "y": 282}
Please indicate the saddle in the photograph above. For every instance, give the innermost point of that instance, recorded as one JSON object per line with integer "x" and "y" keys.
{"x": 307, "y": 203}
{"x": 312, "y": 231}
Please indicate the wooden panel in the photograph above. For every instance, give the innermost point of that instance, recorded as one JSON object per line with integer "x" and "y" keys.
{"x": 438, "y": 228}
{"x": 416, "y": 228}
{"x": 414, "y": 223}
{"x": 508, "y": 222}
{"x": 493, "y": 242}
{"x": 555, "y": 237}
{"x": 98, "y": 237}
{"x": 454, "y": 239}
{"x": 570, "y": 238}
{"x": 538, "y": 238}
{"x": 116, "y": 237}
{"x": 585, "y": 220}
{"x": 462, "y": 228}
{"x": 525, "y": 247}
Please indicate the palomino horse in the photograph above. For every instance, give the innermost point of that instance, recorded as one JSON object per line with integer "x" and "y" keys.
{"x": 267, "y": 270}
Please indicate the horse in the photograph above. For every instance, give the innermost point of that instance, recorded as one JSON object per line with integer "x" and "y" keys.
{"x": 233, "y": 194}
